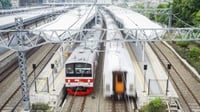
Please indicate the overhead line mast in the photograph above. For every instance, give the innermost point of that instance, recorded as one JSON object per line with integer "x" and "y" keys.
{"x": 22, "y": 64}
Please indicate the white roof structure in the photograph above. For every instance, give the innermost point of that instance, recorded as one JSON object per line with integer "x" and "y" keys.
{"x": 74, "y": 20}
{"x": 20, "y": 9}
{"x": 4, "y": 20}
{"x": 133, "y": 20}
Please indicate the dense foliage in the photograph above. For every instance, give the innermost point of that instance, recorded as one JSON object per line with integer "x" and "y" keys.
{"x": 163, "y": 18}
{"x": 6, "y": 4}
{"x": 156, "y": 105}
{"x": 188, "y": 11}
{"x": 185, "y": 13}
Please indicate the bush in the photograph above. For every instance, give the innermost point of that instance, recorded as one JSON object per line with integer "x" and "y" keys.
{"x": 156, "y": 105}
{"x": 183, "y": 43}
{"x": 40, "y": 106}
{"x": 195, "y": 52}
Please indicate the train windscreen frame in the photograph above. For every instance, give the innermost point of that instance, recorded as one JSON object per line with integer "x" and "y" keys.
{"x": 78, "y": 70}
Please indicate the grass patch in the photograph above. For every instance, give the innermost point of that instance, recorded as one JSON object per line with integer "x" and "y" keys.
{"x": 190, "y": 51}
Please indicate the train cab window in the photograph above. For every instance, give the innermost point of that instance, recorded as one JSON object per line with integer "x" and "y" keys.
{"x": 69, "y": 70}
{"x": 83, "y": 70}
{"x": 119, "y": 78}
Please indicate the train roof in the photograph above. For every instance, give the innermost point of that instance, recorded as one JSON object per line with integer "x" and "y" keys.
{"x": 118, "y": 59}
{"x": 82, "y": 55}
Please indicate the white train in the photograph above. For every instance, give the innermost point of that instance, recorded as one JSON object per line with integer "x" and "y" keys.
{"x": 80, "y": 67}
{"x": 118, "y": 72}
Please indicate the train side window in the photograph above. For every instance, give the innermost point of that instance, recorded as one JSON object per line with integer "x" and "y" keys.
{"x": 119, "y": 78}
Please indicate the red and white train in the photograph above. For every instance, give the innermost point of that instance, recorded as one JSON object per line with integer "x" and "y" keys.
{"x": 80, "y": 67}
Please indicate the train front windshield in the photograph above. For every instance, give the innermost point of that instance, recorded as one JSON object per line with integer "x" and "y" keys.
{"x": 78, "y": 70}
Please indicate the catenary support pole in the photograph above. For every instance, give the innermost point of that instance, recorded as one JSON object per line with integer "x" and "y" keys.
{"x": 22, "y": 64}
{"x": 170, "y": 16}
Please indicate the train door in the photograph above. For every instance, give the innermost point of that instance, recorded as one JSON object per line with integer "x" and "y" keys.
{"x": 119, "y": 82}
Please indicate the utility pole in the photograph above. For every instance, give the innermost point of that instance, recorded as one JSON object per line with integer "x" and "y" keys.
{"x": 22, "y": 64}
{"x": 143, "y": 51}
{"x": 170, "y": 16}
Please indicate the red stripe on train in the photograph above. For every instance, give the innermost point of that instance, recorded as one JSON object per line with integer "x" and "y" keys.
{"x": 80, "y": 93}
{"x": 79, "y": 80}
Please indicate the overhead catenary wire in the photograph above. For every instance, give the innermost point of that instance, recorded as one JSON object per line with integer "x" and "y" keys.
{"x": 182, "y": 21}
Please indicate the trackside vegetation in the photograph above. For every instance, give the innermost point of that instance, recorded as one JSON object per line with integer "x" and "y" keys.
{"x": 156, "y": 105}
{"x": 190, "y": 51}
{"x": 40, "y": 107}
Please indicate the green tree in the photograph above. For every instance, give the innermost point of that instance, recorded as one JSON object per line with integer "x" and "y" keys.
{"x": 196, "y": 19}
{"x": 162, "y": 18}
{"x": 186, "y": 10}
{"x": 6, "y": 4}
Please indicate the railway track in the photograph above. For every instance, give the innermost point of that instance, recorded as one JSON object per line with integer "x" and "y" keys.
{"x": 185, "y": 84}
{"x": 11, "y": 101}
{"x": 115, "y": 105}
{"x": 76, "y": 104}
{"x": 119, "y": 106}
{"x": 8, "y": 69}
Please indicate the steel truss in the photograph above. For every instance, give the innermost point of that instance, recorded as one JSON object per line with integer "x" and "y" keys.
{"x": 34, "y": 38}
{"x": 152, "y": 11}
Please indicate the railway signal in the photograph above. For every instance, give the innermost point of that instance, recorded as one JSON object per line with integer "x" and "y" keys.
{"x": 52, "y": 67}
{"x": 145, "y": 69}
{"x": 34, "y": 67}
{"x": 167, "y": 86}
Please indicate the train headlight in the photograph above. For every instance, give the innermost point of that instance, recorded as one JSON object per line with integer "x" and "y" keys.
{"x": 68, "y": 82}
{"x": 88, "y": 80}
